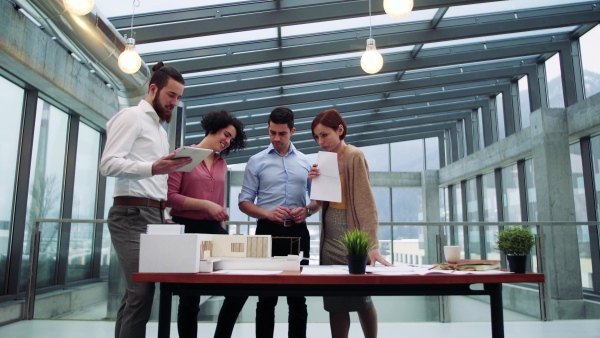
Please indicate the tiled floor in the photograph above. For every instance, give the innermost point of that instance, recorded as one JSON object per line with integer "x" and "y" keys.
{"x": 104, "y": 329}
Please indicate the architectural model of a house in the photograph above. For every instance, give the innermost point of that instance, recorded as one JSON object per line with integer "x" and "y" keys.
{"x": 190, "y": 253}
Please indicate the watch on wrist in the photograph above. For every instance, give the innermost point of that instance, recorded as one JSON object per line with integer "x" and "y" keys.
{"x": 308, "y": 212}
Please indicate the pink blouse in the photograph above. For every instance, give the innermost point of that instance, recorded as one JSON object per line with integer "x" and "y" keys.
{"x": 199, "y": 183}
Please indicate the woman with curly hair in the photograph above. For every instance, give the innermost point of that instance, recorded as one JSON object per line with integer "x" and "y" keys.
{"x": 197, "y": 201}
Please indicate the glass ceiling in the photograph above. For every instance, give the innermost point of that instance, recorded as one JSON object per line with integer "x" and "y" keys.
{"x": 249, "y": 57}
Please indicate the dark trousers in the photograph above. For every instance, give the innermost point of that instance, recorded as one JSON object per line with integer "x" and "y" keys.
{"x": 125, "y": 224}
{"x": 265, "y": 308}
{"x": 187, "y": 312}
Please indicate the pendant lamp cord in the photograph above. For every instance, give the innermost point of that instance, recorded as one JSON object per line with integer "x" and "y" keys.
{"x": 370, "y": 32}
{"x": 136, "y": 3}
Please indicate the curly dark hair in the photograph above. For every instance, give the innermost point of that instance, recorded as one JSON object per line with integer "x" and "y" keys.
{"x": 217, "y": 120}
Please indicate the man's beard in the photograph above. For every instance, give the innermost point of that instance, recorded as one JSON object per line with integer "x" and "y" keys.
{"x": 163, "y": 114}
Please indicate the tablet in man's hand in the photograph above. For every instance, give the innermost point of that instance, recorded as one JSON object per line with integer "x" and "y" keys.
{"x": 197, "y": 155}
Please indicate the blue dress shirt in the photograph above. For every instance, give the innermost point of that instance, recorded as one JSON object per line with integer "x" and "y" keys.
{"x": 273, "y": 180}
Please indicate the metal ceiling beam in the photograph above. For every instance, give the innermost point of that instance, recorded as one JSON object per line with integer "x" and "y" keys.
{"x": 398, "y": 35}
{"x": 363, "y": 117}
{"x": 425, "y": 78}
{"x": 209, "y": 20}
{"x": 269, "y": 103}
{"x": 229, "y": 83}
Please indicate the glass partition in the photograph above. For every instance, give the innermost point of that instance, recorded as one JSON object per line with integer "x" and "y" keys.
{"x": 554, "y": 87}
{"x": 473, "y": 216}
{"x": 524, "y": 102}
{"x": 84, "y": 204}
{"x": 490, "y": 213}
{"x": 407, "y": 206}
{"x": 46, "y": 189}
{"x": 407, "y": 156}
{"x": 589, "y": 61}
{"x": 583, "y": 236}
{"x": 11, "y": 99}
{"x": 510, "y": 194}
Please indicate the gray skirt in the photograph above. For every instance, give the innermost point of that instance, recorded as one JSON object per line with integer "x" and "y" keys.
{"x": 333, "y": 253}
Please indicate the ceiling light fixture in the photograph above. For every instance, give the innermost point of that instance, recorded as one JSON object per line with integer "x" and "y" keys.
{"x": 79, "y": 7}
{"x": 398, "y": 8}
{"x": 129, "y": 60}
{"x": 371, "y": 61}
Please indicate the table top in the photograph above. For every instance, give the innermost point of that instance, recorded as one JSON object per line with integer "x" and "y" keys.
{"x": 295, "y": 277}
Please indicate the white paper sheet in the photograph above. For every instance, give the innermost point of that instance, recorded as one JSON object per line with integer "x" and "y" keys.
{"x": 327, "y": 187}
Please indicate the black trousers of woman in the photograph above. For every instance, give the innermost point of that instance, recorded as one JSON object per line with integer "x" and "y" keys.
{"x": 189, "y": 306}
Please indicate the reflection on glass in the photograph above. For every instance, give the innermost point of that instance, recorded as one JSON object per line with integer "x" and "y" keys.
{"x": 457, "y": 233}
{"x": 500, "y": 116}
{"x": 378, "y": 157}
{"x": 490, "y": 214}
{"x": 473, "y": 216}
{"x": 11, "y": 98}
{"x": 432, "y": 153}
{"x": 407, "y": 206}
{"x": 554, "y": 83}
{"x": 84, "y": 204}
{"x": 45, "y": 189}
{"x": 583, "y": 236}
{"x": 532, "y": 211}
{"x": 106, "y": 243}
{"x": 524, "y": 102}
{"x": 589, "y": 61}
{"x": 511, "y": 202}
{"x": 407, "y": 156}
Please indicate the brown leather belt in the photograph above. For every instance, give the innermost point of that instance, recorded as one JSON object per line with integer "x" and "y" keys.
{"x": 287, "y": 223}
{"x": 138, "y": 202}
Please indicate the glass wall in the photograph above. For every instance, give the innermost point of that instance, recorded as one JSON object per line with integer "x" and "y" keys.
{"x": 490, "y": 213}
{"x": 407, "y": 156}
{"x": 432, "y": 153}
{"x": 473, "y": 216}
{"x": 46, "y": 188}
{"x": 407, "y": 206}
{"x": 457, "y": 233}
{"x": 500, "y": 116}
{"x": 11, "y": 99}
{"x": 524, "y": 102}
{"x": 383, "y": 201}
{"x": 589, "y": 61}
{"x": 583, "y": 236}
{"x": 554, "y": 83}
{"x": 511, "y": 202}
{"x": 84, "y": 203}
{"x": 532, "y": 210}
{"x": 378, "y": 157}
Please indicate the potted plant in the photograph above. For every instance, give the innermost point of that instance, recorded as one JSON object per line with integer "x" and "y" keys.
{"x": 357, "y": 247}
{"x": 516, "y": 242}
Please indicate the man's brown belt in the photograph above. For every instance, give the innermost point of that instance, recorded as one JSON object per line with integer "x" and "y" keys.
{"x": 138, "y": 202}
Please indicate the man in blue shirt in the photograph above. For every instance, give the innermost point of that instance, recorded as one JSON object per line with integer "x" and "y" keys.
{"x": 277, "y": 179}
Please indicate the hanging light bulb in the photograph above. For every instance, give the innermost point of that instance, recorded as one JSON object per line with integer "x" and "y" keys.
{"x": 397, "y": 8}
{"x": 79, "y": 7}
{"x": 129, "y": 60}
{"x": 371, "y": 61}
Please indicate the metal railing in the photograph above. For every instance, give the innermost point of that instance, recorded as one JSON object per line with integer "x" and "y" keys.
{"x": 34, "y": 252}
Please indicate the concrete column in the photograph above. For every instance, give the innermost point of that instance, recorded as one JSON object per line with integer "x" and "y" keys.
{"x": 554, "y": 193}
{"x": 431, "y": 212}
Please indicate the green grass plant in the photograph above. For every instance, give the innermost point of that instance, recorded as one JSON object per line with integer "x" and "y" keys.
{"x": 356, "y": 242}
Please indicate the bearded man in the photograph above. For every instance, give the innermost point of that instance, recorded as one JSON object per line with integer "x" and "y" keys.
{"x": 137, "y": 154}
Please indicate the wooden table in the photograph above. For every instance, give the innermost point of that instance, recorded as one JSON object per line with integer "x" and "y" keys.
{"x": 295, "y": 284}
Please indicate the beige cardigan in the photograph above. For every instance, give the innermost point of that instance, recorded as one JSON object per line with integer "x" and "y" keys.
{"x": 361, "y": 211}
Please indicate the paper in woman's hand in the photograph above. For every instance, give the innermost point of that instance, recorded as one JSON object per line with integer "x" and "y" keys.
{"x": 327, "y": 186}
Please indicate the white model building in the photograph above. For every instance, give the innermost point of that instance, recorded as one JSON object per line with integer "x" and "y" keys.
{"x": 191, "y": 253}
